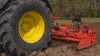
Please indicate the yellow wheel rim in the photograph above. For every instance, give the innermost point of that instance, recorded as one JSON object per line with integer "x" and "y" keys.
{"x": 31, "y": 27}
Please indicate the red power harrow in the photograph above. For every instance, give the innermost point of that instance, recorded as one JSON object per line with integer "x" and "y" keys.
{"x": 84, "y": 39}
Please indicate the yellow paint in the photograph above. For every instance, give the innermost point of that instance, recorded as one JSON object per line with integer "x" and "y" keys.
{"x": 31, "y": 27}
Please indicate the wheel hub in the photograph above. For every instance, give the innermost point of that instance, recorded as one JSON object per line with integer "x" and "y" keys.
{"x": 31, "y": 27}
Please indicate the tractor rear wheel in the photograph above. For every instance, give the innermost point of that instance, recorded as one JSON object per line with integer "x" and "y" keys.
{"x": 25, "y": 27}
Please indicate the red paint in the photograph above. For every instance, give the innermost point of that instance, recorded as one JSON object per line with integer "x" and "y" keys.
{"x": 84, "y": 39}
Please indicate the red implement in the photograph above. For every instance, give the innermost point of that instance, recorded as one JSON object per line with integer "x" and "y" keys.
{"x": 85, "y": 37}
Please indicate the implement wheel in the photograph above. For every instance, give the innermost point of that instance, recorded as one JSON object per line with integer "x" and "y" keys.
{"x": 25, "y": 27}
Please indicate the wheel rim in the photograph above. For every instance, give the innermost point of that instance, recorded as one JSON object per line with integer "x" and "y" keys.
{"x": 31, "y": 27}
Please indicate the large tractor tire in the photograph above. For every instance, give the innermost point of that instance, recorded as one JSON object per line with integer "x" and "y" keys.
{"x": 25, "y": 26}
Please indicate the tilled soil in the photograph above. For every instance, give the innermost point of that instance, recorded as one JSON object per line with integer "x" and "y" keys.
{"x": 64, "y": 48}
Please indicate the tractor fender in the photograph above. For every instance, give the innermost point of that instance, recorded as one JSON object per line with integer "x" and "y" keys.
{"x": 2, "y": 3}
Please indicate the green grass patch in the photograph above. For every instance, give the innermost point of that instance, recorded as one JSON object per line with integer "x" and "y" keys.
{"x": 91, "y": 20}
{"x": 84, "y": 20}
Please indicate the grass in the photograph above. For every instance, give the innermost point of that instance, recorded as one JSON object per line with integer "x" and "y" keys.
{"x": 85, "y": 20}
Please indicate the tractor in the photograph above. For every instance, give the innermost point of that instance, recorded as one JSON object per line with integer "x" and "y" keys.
{"x": 26, "y": 27}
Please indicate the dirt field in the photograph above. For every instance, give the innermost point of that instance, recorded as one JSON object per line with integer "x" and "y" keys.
{"x": 60, "y": 48}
